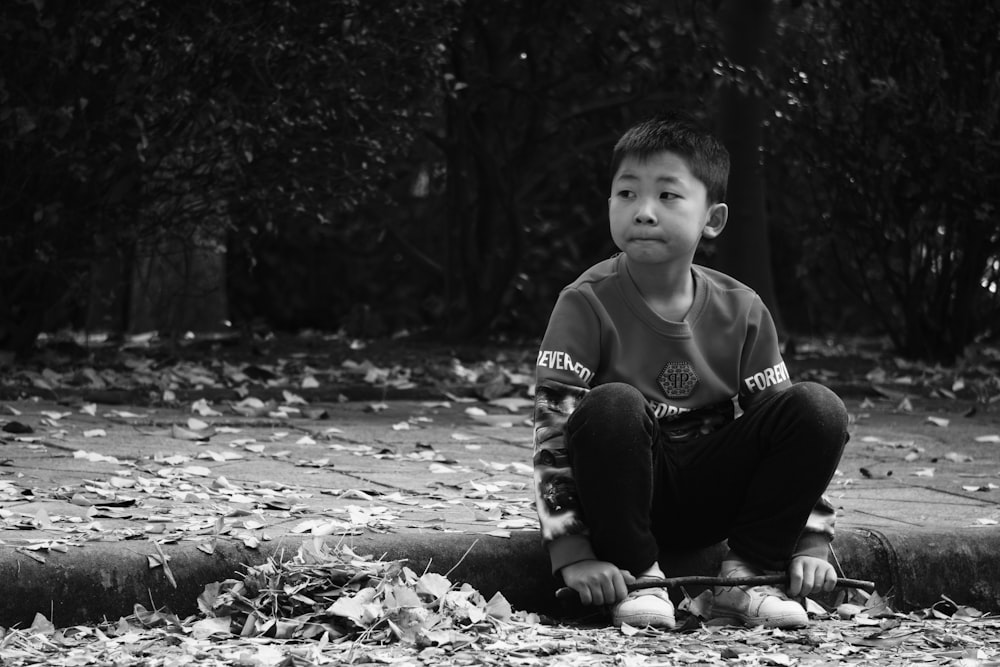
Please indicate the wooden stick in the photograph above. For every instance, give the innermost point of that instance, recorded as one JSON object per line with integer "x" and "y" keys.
{"x": 567, "y": 593}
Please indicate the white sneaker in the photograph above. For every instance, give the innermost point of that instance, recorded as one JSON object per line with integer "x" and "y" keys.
{"x": 755, "y": 605}
{"x": 645, "y": 607}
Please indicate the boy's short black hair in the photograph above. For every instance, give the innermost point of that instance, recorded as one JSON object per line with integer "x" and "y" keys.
{"x": 678, "y": 133}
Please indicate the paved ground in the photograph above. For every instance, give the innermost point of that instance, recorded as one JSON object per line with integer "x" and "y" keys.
{"x": 96, "y": 496}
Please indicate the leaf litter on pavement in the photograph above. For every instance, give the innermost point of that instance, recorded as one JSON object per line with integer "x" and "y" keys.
{"x": 179, "y": 498}
{"x": 171, "y": 495}
{"x": 382, "y": 613}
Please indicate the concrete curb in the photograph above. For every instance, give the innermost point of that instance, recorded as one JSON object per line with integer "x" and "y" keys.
{"x": 919, "y": 566}
{"x": 105, "y": 580}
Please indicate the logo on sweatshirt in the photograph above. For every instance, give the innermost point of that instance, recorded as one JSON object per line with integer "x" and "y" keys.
{"x": 678, "y": 379}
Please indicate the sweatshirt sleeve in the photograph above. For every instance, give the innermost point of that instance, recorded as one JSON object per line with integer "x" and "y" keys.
{"x": 762, "y": 371}
{"x": 566, "y": 363}
{"x": 818, "y": 531}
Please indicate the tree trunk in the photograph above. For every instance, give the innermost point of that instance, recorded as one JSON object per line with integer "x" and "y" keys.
{"x": 178, "y": 285}
{"x": 743, "y": 250}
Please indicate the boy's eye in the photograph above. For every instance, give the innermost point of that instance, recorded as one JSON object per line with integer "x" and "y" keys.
{"x": 626, "y": 194}
{"x": 668, "y": 195}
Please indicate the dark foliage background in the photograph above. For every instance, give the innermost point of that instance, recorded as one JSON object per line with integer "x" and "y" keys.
{"x": 440, "y": 167}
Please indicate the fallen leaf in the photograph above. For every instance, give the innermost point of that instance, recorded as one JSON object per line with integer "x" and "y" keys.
{"x": 124, "y": 414}
{"x": 172, "y": 460}
{"x": 17, "y": 427}
{"x": 253, "y": 407}
{"x": 220, "y": 456}
{"x": 513, "y": 404}
{"x": 629, "y": 630}
{"x": 360, "y": 608}
{"x": 41, "y": 625}
{"x": 293, "y": 399}
{"x": 459, "y": 399}
{"x": 433, "y": 584}
{"x": 30, "y": 554}
{"x": 499, "y": 607}
{"x": 356, "y": 493}
{"x": 196, "y": 424}
{"x": 181, "y": 433}
{"x": 848, "y": 611}
{"x": 95, "y": 457}
{"x": 202, "y": 407}
{"x": 209, "y": 627}
{"x": 160, "y": 559}
{"x": 985, "y": 487}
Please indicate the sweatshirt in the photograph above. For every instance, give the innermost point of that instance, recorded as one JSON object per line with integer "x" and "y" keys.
{"x": 693, "y": 373}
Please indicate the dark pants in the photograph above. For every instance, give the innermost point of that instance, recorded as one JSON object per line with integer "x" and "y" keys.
{"x": 753, "y": 481}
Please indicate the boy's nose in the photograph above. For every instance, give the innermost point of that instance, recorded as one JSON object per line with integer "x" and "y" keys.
{"x": 645, "y": 213}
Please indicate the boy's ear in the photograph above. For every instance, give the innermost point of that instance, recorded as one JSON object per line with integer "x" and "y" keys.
{"x": 718, "y": 215}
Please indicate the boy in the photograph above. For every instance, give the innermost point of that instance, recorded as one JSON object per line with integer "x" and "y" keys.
{"x": 637, "y": 448}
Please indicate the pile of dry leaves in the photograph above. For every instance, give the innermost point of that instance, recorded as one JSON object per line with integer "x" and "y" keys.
{"x": 329, "y": 605}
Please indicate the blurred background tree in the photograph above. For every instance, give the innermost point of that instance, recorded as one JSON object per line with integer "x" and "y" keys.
{"x": 744, "y": 250}
{"x": 441, "y": 167}
{"x": 886, "y": 133}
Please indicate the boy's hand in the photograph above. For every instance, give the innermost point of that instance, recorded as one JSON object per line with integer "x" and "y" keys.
{"x": 808, "y": 574}
{"x": 597, "y": 581}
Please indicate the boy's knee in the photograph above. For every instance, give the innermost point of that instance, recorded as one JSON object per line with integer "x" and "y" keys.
{"x": 821, "y": 398}
{"x": 615, "y": 405}
{"x": 821, "y": 406}
{"x": 615, "y": 398}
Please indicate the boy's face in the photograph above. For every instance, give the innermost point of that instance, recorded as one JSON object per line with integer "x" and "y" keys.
{"x": 659, "y": 211}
